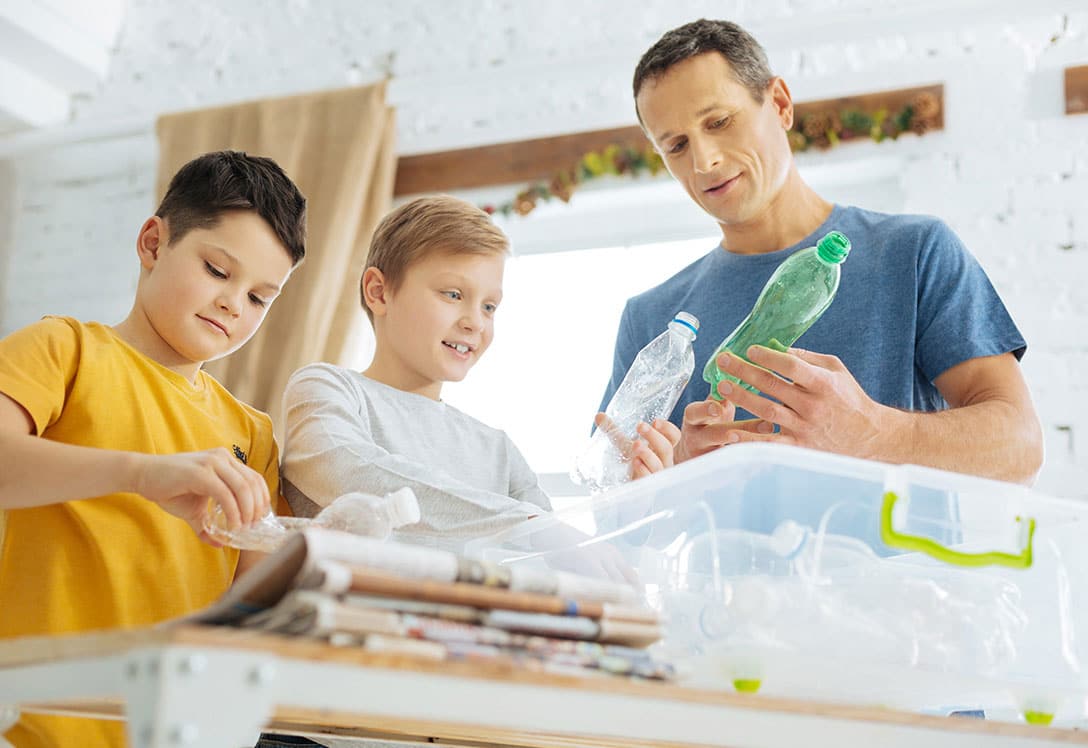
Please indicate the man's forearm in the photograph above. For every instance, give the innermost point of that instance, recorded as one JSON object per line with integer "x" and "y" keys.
{"x": 992, "y": 439}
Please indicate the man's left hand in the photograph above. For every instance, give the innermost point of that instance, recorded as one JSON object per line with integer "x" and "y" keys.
{"x": 816, "y": 402}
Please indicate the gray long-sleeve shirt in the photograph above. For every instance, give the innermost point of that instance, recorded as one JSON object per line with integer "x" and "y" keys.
{"x": 346, "y": 432}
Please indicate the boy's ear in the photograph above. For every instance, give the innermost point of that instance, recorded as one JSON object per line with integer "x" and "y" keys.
{"x": 375, "y": 291}
{"x": 151, "y": 239}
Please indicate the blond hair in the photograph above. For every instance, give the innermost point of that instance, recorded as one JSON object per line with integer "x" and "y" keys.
{"x": 425, "y": 226}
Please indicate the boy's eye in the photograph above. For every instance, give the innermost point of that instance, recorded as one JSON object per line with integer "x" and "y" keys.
{"x": 719, "y": 123}
{"x": 678, "y": 146}
{"x": 453, "y": 294}
{"x": 490, "y": 308}
{"x": 214, "y": 271}
{"x": 257, "y": 300}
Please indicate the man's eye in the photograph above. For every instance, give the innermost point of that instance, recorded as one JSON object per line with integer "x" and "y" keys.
{"x": 214, "y": 271}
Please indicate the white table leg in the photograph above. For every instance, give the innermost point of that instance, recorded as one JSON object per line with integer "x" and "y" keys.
{"x": 212, "y": 698}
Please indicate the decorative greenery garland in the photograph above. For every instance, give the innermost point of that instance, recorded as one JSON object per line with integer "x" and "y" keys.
{"x": 821, "y": 129}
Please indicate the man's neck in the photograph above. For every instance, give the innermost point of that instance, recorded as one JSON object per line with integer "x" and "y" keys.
{"x": 794, "y": 213}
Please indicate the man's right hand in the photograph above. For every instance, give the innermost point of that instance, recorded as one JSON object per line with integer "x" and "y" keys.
{"x": 182, "y": 484}
{"x": 708, "y": 425}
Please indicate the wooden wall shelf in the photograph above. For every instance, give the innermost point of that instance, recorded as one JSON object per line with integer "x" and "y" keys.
{"x": 530, "y": 160}
{"x": 1076, "y": 90}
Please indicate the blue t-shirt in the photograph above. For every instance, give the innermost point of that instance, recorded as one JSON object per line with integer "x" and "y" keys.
{"x": 912, "y": 303}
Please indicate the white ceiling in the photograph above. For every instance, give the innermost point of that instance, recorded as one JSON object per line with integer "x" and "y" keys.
{"x": 49, "y": 51}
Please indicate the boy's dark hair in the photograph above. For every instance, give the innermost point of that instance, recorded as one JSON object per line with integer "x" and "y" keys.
{"x": 737, "y": 46}
{"x": 221, "y": 181}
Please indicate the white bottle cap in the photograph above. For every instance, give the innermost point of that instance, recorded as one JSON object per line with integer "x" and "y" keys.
{"x": 689, "y": 321}
{"x": 403, "y": 507}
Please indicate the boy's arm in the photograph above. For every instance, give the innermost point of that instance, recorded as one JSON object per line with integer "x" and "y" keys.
{"x": 330, "y": 451}
{"x": 37, "y": 472}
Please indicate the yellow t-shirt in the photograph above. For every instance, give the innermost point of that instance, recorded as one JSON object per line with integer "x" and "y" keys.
{"x": 115, "y": 561}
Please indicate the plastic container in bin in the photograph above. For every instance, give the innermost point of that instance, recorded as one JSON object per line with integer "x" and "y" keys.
{"x": 788, "y": 571}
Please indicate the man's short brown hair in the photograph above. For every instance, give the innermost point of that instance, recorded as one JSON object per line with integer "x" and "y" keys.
{"x": 739, "y": 48}
{"x": 438, "y": 224}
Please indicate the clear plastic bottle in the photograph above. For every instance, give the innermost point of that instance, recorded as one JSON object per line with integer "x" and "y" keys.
{"x": 649, "y": 391}
{"x": 369, "y": 515}
{"x": 800, "y": 290}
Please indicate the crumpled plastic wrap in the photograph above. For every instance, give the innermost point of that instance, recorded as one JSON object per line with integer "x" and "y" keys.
{"x": 356, "y": 513}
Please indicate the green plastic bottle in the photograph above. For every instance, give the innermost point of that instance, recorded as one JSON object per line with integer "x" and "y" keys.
{"x": 800, "y": 290}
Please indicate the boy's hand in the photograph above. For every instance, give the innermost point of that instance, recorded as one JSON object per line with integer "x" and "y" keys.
{"x": 655, "y": 450}
{"x": 651, "y": 453}
{"x": 182, "y": 484}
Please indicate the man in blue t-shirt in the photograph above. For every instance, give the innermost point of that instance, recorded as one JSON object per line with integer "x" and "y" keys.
{"x": 917, "y": 358}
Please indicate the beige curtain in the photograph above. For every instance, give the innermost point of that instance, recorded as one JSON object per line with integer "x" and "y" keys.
{"x": 338, "y": 147}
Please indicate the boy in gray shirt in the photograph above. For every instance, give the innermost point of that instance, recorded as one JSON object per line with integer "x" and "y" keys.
{"x": 432, "y": 285}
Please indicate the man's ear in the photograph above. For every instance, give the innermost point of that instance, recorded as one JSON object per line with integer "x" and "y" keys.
{"x": 782, "y": 101}
{"x": 375, "y": 291}
{"x": 150, "y": 241}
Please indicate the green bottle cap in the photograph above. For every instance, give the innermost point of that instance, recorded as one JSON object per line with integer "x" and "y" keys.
{"x": 833, "y": 248}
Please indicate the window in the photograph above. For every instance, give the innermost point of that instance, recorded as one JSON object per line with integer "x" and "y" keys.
{"x": 544, "y": 375}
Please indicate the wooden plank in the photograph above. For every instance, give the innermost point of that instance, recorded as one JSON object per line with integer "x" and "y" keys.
{"x": 527, "y": 161}
{"x": 1076, "y": 90}
{"x": 893, "y": 101}
{"x": 240, "y": 640}
{"x": 505, "y": 163}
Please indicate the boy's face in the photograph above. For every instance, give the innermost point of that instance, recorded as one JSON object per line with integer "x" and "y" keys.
{"x": 441, "y": 319}
{"x": 206, "y": 294}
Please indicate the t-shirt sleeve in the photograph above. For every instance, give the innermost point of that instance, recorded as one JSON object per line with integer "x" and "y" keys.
{"x": 524, "y": 484}
{"x": 330, "y": 450}
{"x": 37, "y": 366}
{"x": 960, "y": 315}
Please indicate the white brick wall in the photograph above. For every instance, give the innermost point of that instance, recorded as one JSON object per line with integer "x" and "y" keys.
{"x": 1010, "y": 172}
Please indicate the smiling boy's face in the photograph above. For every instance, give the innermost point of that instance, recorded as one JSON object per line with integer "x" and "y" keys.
{"x": 203, "y": 296}
{"x": 437, "y": 324}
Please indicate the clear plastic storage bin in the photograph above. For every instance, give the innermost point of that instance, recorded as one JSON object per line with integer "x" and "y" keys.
{"x": 788, "y": 571}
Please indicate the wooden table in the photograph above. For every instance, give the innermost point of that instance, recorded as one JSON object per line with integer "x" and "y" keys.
{"x": 217, "y": 688}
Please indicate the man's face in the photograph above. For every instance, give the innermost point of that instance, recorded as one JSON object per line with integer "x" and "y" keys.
{"x": 728, "y": 151}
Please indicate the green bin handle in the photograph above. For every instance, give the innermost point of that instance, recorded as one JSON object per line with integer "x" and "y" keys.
{"x": 934, "y": 549}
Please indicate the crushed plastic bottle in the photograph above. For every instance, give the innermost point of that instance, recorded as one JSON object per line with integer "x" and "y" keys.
{"x": 649, "y": 391}
{"x": 356, "y": 513}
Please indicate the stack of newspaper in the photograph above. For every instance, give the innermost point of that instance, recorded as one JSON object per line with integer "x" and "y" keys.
{"x": 423, "y": 602}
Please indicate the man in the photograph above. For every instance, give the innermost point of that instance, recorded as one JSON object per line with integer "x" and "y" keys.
{"x": 917, "y": 357}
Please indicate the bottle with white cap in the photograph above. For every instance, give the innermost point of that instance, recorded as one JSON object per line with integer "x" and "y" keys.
{"x": 649, "y": 391}
{"x": 369, "y": 515}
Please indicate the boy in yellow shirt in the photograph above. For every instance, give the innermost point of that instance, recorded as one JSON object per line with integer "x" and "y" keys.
{"x": 112, "y": 439}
